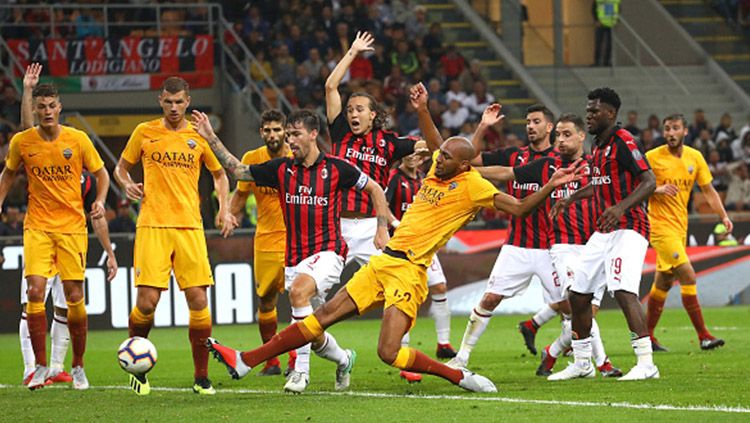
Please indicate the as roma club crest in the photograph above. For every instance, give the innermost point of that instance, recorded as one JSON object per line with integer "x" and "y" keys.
{"x": 191, "y": 143}
{"x": 67, "y": 153}
{"x": 690, "y": 169}
{"x": 453, "y": 185}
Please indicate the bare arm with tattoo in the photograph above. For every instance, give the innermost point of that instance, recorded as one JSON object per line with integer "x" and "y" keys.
{"x": 233, "y": 165}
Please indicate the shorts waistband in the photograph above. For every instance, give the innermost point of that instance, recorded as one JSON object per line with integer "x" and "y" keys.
{"x": 395, "y": 253}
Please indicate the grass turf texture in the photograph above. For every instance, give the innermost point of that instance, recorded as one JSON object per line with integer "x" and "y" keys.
{"x": 690, "y": 378}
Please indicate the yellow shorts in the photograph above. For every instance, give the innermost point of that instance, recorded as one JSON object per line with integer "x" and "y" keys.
{"x": 46, "y": 253}
{"x": 670, "y": 251}
{"x": 389, "y": 281}
{"x": 159, "y": 250}
{"x": 269, "y": 272}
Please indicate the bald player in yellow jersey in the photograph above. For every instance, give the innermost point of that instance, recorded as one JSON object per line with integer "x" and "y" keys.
{"x": 270, "y": 232}
{"x": 55, "y": 235}
{"x": 169, "y": 231}
{"x": 677, "y": 167}
{"x": 450, "y": 196}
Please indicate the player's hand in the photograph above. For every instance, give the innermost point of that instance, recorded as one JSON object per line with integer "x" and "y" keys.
{"x": 31, "y": 77}
{"x": 421, "y": 149}
{"x": 418, "y": 96}
{"x": 362, "y": 42}
{"x": 97, "y": 210}
{"x": 558, "y": 208}
{"x": 381, "y": 237}
{"x": 572, "y": 173}
{"x": 202, "y": 124}
{"x": 610, "y": 218}
{"x": 395, "y": 223}
{"x": 227, "y": 222}
{"x": 667, "y": 189}
{"x": 728, "y": 223}
{"x": 492, "y": 115}
{"x": 111, "y": 267}
{"x": 134, "y": 192}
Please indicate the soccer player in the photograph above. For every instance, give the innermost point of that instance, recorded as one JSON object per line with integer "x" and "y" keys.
{"x": 358, "y": 136}
{"x": 621, "y": 181}
{"x": 169, "y": 232}
{"x": 450, "y": 196}
{"x": 270, "y": 232}
{"x": 55, "y": 238}
{"x": 311, "y": 189}
{"x": 677, "y": 167}
{"x": 525, "y": 254}
{"x": 567, "y": 233}
{"x": 402, "y": 187}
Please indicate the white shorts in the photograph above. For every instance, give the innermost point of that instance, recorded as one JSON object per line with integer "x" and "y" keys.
{"x": 359, "y": 235}
{"x": 514, "y": 268}
{"x": 614, "y": 260}
{"x": 565, "y": 258}
{"x": 54, "y": 285}
{"x": 435, "y": 275}
{"x": 324, "y": 267}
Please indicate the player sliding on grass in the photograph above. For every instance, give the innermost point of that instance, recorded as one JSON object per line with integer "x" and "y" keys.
{"x": 450, "y": 196}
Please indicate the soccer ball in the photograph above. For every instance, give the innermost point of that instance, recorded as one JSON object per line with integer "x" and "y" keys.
{"x": 137, "y": 355}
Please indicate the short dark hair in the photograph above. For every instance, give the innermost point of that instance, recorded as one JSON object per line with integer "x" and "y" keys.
{"x": 175, "y": 84}
{"x": 572, "y": 118}
{"x": 676, "y": 116}
{"x": 272, "y": 115}
{"x": 606, "y": 95}
{"x": 308, "y": 118}
{"x": 45, "y": 90}
{"x": 539, "y": 107}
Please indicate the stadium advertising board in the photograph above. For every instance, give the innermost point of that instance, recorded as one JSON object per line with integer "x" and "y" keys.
{"x": 118, "y": 64}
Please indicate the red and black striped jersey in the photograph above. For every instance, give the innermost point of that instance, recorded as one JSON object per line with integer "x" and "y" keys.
{"x": 88, "y": 190}
{"x": 576, "y": 223}
{"x": 374, "y": 153}
{"x": 616, "y": 166}
{"x": 401, "y": 191}
{"x": 310, "y": 200}
{"x": 529, "y": 231}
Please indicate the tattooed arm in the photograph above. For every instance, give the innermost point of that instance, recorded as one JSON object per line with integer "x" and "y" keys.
{"x": 235, "y": 168}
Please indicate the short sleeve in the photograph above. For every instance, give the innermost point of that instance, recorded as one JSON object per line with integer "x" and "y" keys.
{"x": 403, "y": 146}
{"x": 481, "y": 191}
{"x": 132, "y": 151}
{"x": 245, "y": 186}
{"x": 88, "y": 196}
{"x": 499, "y": 157}
{"x": 209, "y": 158}
{"x": 704, "y": 176}
{"x": 531, "y": 172}
{"x": 266, "y": 174}
{"x": 350, "y": 176}
{"x": 630, "y": 156}
{"x": 339, "y": 128}
{"x": 91, "y": 159}
{"x": 13, "y": 160}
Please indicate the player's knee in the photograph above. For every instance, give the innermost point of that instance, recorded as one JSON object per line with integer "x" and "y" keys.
{"x": 301, "y": 293}
{"x": 490, "y": 301}
{"x": 579, "y": 302}
{"x": 438, "y": 289}
{"x": 35, "y": 294}
{"x": 388, "y": 353}
{"x": 267, "y": 303}
{"x": 73, "y": 295}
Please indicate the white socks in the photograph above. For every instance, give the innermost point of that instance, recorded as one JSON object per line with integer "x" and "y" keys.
{"x": 597, "y": 346}
{"x": 563, "y": 341}
{"x": 442, "y": 315}
{"x": 478, "y": 321}
{"x": 544, "y": 315}
{"x": 582, "y": 352}
{"x": 27, "y": 351}
{"x": 303, "y": 353}
{"x": 60, "y": 341}
{"x": 331, "y": 351}
{"x": 643, "y": 351}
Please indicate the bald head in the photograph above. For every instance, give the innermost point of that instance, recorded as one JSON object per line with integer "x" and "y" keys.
{"x": 459, "y": 147}
{"x": 455, "y": 155}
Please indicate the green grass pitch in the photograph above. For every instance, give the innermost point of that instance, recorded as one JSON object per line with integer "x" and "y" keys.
{"x": 694, "y": 384}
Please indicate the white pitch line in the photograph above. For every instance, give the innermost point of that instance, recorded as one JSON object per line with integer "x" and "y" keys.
{"x": 361, "y": 394}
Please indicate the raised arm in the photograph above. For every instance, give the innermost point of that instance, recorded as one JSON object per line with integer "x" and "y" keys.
{"x": 492, "y": 116}
{"x": 381, "y": 211}
{"x": 609, "y": 218}
{"x": 102, "y": 233}
{"x": 30, "y": 79}
{"x": 224, "y": 219}
{"x": 419, "y": 97}
{"x": 713, "y": 199}
{"x": 235, "y": 168}
{"x": 362, "y": 42}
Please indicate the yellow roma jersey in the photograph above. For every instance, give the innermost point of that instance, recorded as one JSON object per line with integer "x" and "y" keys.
{"x": 440, "y": 208}
{"x": 171, "y": 168}
{"x": 270, "y": 233}
{"x": 668, "y": 215}
{"x": 54, "y": 169}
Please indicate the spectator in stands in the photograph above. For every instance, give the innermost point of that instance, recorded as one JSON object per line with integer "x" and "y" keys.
{"x": 261, "y": 63}
{"x": 725, "y": 150}
{"x": 4, "y": 145}
{"x": 88, "y": 22}
{"x": 374, "y": 23}
{"x": 647, "y": 139}
{"x": 255, "y": 22}
{"x": 381, "y": 65}
{"x": 416, "y": 24}
{"x": 408, "y": 122}
{"x": 297, "y": 44}
{"x": 738, "y": 193}
{"x": 435, "y": 90}
{"x": 455, "y": 116}
{"x": 402, "y": 10}
{"x": 12, "y": 222}
{"x": 467, "y": 130}
{"x": 313, "y": 62}
{"x": 321, "y": 42}
{"x": 453, "y": 63}
{"x": 433, "y": 42}
{"x": 471, "y": 75}
{"x": 606, "y": 14}
{"x": 327, "y": 22}
{"x": 455, "y": 92}
{"x": 654, "y": 125}
{"x": 10, "y": 109}
{"x": 394, "y": 86}
{"x": 719, "y": 171}
{"x": 304, "y": 85}
{"x": 283, "y": 66}
{"x": 14, "y": 26}
{"x": 405, "y": 58}
{"x": 632, "y": 123}
{"x": 478, "y": 100}
{"x": 699, "y": 124}
{"x": 173, "y": 23}
{"x": 724, "y": 129}
{"x": 123, "y": 221}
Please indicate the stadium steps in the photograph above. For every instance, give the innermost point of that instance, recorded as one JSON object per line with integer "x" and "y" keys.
{"x": 500, "y": 80}
{"x": 726, "y": 44}
{"x": 654, "y": 95}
